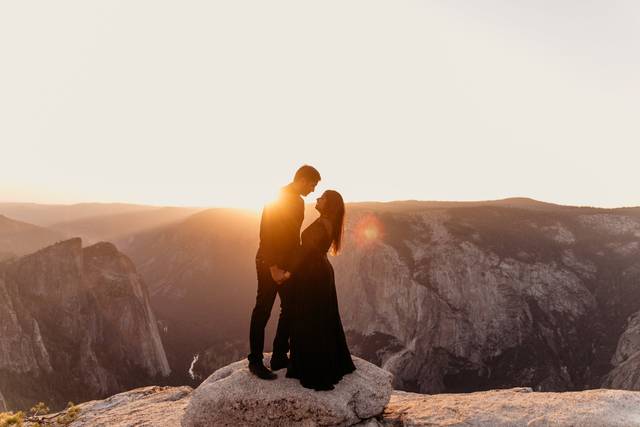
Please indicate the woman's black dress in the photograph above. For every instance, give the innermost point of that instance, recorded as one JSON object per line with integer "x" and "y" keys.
{"x": 319, "y": 353}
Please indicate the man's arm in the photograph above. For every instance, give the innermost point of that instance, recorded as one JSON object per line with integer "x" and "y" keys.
{"x": 270, "y": 225}
{"x": 271, "y": 232}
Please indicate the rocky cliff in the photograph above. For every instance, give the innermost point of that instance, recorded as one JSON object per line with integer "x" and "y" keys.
{"x": 466, "y": 299}
{"x": 76, "y": 324}
{"x": 3, "y": 403}
{"x": 626, "y": 374}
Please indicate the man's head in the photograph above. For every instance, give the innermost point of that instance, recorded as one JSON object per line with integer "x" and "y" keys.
{"x": 306, "y": 179}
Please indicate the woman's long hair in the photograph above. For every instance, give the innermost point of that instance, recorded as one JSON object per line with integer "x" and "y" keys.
{"x": 335, "y": 212}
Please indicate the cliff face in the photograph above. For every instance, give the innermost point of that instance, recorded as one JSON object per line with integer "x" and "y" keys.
{"x": 449, "y": 298}
{"x": 474, "y": 298}
{"x": 76, "y": 325}
{"x": 626, "y": 374}
{"x": 3, "y": 404}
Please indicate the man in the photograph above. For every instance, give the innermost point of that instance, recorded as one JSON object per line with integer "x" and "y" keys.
{"x": 279, "y": 242}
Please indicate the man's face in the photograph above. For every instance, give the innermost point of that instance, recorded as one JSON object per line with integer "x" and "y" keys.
{"x": 308, "y": 187}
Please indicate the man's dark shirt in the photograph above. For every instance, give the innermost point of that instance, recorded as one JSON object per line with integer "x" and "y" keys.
{"x": 280, "y": 229}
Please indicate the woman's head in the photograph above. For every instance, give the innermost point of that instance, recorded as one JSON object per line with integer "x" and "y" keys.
{"x": 331, "y": 206}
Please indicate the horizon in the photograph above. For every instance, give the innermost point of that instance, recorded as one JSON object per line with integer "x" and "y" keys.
{"x": 309, "y": 200}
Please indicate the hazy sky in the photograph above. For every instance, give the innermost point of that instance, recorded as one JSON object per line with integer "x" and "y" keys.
{"x": 217, "y": 103}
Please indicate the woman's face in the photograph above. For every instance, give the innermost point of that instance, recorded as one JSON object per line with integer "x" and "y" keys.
{"x": 321, "y": 203}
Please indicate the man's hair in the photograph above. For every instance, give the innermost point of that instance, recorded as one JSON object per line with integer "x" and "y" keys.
{"x": 307, "y": 172}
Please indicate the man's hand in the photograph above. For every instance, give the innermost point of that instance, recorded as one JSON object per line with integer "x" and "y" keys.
{"x": 278, "y": 275}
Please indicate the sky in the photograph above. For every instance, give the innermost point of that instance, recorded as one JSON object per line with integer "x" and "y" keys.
{"x": 210, "y": 103}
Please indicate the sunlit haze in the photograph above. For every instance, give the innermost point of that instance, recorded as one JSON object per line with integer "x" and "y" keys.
{"x": 217, "y": 103}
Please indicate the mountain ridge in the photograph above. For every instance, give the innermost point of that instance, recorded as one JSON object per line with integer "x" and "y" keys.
{"x": 19, "y": 238}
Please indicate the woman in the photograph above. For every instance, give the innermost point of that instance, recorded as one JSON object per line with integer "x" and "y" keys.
{"x": 319, "y": 353}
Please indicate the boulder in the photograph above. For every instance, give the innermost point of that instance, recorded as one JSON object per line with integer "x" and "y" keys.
{"x": 232, "y": 396}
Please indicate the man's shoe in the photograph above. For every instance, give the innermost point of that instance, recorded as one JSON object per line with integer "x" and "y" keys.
{"x": 279, "y": 362}
{"x": 261, "y": 371}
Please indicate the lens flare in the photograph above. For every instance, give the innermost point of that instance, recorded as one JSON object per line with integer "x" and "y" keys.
{"x": 368, "y": 230}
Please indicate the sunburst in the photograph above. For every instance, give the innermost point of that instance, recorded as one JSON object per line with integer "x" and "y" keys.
{"x": 368, "y": 229}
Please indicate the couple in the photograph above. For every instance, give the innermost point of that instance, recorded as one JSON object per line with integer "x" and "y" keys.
{"x": 300, "y": 273}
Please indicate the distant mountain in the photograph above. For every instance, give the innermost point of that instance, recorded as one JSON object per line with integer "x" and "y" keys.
{"x": 93, "y": 222}
{"x": 76, "y": 325}
{"x": 111, "y": 227}
{"x": 48, "y": 214}
{"x": 20, "y": 238}
{"x": 416, "y": 205}
{"x": 450, "y": 297}
{"x": 201, "y": 277}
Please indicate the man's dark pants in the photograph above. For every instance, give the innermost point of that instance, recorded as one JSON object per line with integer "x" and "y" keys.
{"x": 267, "y": 290}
